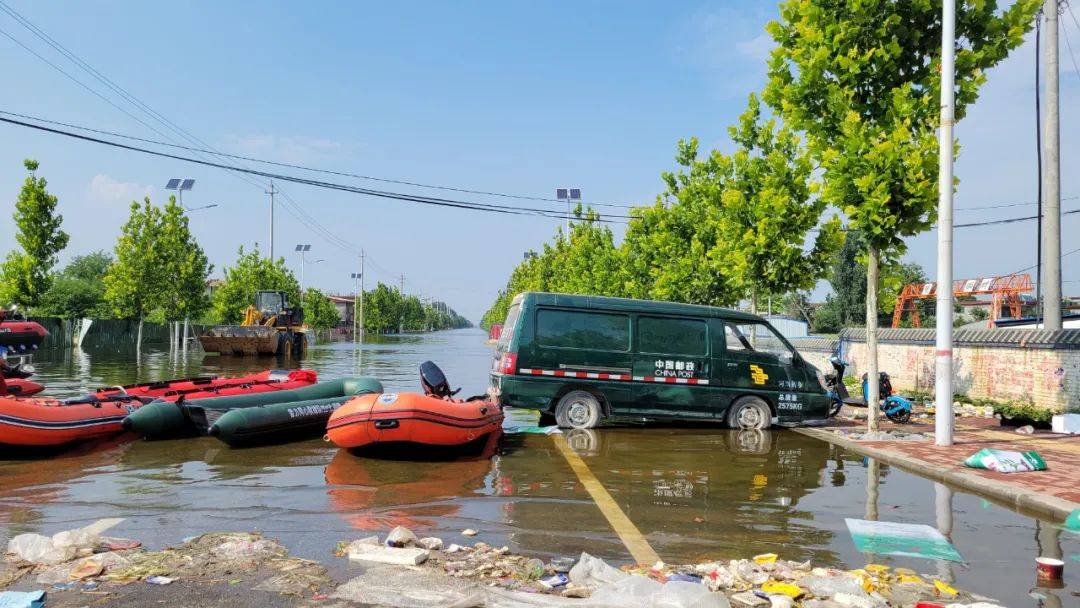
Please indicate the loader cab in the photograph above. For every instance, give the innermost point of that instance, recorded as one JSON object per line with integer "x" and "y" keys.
{"x": 270, "y": 302}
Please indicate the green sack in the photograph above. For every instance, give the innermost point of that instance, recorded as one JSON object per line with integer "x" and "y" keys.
{"x": 1005, "y": 461}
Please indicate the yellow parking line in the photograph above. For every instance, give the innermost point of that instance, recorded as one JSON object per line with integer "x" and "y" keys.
{"x": 628, "y": 533}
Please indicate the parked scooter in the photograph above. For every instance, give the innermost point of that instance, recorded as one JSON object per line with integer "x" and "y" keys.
{"x": 895, "y": 407}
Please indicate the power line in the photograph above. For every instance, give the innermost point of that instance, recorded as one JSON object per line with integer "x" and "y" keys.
{"x": 1063, "y": 256}
{"x": 1011, "y": 220}
{"x": 101, "y": 78}
{"x": 1068, "y": 45}
{"x": 306, "y": 167}
{"x": 427, "y": 200}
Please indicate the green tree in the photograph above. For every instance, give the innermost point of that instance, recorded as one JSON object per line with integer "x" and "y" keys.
{"x": 585, "y": 262}
{"x": 183, "y": 264}
{"x": 134, "y": 284}
{"x": 672, "y": 249}
{"x": 768, "y": 208}
{"x": 250, "y": 274}
{"x": 382, "y": 309}
{"x": 25, "y": 275}
{"x": 412, "y": 314}
{"x": 861, "y": 79}
{"x": 319, "y": 312}
{"x": 78, "y": 291}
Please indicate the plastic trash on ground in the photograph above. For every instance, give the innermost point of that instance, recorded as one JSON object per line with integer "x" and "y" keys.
{"x": 891, "y": 538}
{"x": 1006, "y": 461}
{"x": 63, "y": 546}
{"x": 22, "y": 599}
{"x": 592, "y": 571}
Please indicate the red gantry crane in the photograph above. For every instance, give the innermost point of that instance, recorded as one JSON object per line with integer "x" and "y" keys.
{"x": 1004, "y": 290}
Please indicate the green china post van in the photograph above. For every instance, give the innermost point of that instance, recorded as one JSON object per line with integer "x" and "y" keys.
{"x": 584, "y": 360}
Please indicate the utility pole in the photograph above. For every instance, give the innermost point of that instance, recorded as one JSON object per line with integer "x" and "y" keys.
{"x": 272, "y": 191}
{"x": 1051, "y": 223}
{"x": 358, "y": 301}
{"x": 401, "y": 290}
{"x": 943, "y": 380}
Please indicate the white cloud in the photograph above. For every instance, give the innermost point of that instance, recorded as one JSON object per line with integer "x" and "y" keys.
{"x": 289, "y": 149}
{"x": 729, "y": 46}
{"x": 757, "y": 48}
{"x": 105, "y": 189}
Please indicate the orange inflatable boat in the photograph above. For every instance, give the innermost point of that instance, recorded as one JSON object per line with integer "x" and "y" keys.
{"x": 434, "y": 418}
{"x": 51, "y": 422}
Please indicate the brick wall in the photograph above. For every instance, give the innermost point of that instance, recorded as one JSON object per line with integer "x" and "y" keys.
{"x": 1005, "y": 365}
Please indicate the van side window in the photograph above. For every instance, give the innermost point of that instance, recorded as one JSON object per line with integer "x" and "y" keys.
{"x": 576, "y": 329}
{"x": 753, "y": 336}
{"x": 670, "y": 336}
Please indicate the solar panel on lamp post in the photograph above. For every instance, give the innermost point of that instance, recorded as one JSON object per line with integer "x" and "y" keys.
{"x": 571, "y": 196}
{"x": 180, "y": 184}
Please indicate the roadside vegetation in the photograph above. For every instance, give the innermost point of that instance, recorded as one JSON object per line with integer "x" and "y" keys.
{"x": 158, "y": 272}
{"x": 853, "y": 100}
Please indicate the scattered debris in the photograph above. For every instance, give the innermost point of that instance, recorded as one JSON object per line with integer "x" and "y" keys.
{"x": 1027, "y": 429}
{"x": 62, "y": 546}
{"x": 159, "y": 580}
{"x": 1006, "y": 461}
{"x": 430, "y": 543}
{"x": 22, "y": 599}
{"x": 405, "y": 556}
{"x": 400, "y": 537}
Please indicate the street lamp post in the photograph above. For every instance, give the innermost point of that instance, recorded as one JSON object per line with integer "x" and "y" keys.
{"x": 571, "y": 196}
{"x": 179, "y": 185}
{"x": 302, "y": 249}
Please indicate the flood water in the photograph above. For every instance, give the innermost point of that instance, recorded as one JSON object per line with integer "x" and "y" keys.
{"x": 695, "y": 493}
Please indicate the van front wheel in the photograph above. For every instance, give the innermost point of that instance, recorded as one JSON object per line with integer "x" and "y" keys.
{"x": 750, "y": 413}
{"x": 578, "y": 410}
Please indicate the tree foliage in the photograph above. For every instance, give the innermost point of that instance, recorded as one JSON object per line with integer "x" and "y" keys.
{"x": 77, "y": 291}
{"x": 25, "y": 273}
{"x": 319, "y": 311}
{"x": 862, "y": 80}
{"x": 386, "y": 310}
{"x": 134, "y": 283}
{"x": 184, "y": 266}
{"x": 250, "y": 274}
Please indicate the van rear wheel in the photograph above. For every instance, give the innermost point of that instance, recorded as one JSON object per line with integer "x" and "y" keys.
{"x": 578, "y": 410}
{"x": 750, "y": 413}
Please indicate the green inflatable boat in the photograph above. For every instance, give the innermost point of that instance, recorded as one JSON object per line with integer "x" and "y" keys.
{"x": 279, "y": 410}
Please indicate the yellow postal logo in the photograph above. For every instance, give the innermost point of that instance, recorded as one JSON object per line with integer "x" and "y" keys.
{"x": 758, "y": 375}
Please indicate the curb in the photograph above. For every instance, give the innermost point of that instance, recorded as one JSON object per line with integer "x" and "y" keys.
{"x": 1043, "y": 506}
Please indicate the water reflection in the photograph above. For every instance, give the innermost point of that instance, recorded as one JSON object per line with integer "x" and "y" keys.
{"x": 696, "y": 493}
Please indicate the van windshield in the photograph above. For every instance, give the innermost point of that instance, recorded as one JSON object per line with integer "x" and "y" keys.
{"x": 508, "y": 327}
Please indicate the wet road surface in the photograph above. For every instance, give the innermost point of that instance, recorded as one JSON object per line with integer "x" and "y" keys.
{"x": 695, "y": 493}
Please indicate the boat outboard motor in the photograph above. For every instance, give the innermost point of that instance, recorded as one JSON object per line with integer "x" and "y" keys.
{"x": 434, "y": 381}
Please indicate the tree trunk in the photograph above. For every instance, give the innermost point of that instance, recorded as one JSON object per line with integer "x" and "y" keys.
{"x": 872, "y": 397}
{"x": 138, "y": 336}
{"x": 184, "y": 337}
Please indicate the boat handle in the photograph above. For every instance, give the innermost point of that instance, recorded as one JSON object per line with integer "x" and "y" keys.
{"x": 386, "y": 424}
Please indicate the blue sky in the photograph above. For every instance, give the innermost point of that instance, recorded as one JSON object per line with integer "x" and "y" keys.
{"x": 511, "y": 97}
